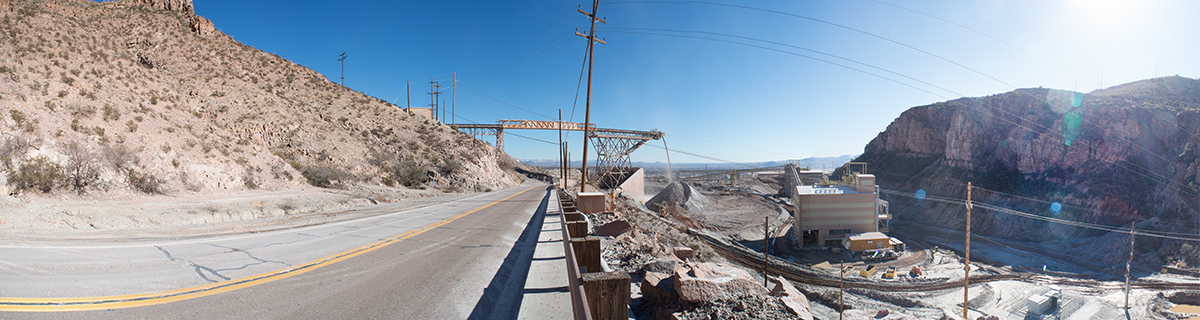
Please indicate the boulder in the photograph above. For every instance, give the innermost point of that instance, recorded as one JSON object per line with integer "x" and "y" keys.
{"x": 660, "y": 265}
{"x": 613, "y": 229}
{"x": 684, "y": 253}
{"x": 793, "y": 299}
{"x": 658, "y": 287}
{"x": 708, "y": 281}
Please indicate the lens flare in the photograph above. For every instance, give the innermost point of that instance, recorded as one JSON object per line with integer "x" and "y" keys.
{"x": 920, "y": 194}
{"x": 1056, "y": 207}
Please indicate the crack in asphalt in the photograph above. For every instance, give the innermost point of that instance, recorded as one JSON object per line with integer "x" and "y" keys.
{"x": 195, "y": 266}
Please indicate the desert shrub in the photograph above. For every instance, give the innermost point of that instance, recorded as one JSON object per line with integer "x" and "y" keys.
{"x": 38, "y": 173}
{"x": 119, "y": 156}
{"x": 325, "y": 176}
{"x": 144, "y": 182}
{"x": 249, "y": 181}
{"x": 82, "y": 170}
{"x": 451, "y": 166}
{"x": 111, "y": 113}
{"x": 410, "y": 174}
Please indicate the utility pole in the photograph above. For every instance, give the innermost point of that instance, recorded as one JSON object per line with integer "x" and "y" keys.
{"x": 433, "y": 96}
{"x": 967, "y": 264}
{"x": 562, "y": 173}
{"x": 587, "y": 115}
{"x": 407, "y": 98}
{"x": 453, "y": 93}
{"x": 1129, "y": 264}
{"x": 342, "y": 58}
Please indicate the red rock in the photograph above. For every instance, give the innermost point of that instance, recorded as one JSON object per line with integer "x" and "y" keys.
{"x": 613, "y": 229}
{"x": 793, "y": 299}
{"x": 684, "y": 253}
{"x": 712, "y": 281}
{"x": 658, "y": 287}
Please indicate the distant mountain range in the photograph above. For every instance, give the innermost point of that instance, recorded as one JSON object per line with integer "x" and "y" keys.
{"x": 827, "y": 163}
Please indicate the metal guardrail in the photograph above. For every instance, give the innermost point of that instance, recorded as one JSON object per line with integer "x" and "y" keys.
{"x": 579, "y": 303}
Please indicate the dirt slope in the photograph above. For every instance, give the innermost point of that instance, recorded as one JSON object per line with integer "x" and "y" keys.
{"x": 145, "y": 97}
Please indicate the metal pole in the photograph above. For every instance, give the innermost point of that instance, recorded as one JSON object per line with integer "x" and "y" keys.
{"x": 967, "y": 264}
{"x": 407, "y": 97}
{"x": 587, "y": 115}
{"x": 841, "y": 289}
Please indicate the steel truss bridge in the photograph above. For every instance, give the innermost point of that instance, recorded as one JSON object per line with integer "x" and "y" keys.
{"x": 613, "y": 146}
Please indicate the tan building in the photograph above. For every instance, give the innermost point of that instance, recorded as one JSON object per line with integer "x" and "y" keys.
{"x": 824, "y": 215}
{"x": 859, "y": 242}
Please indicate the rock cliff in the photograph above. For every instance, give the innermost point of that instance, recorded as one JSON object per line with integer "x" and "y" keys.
{"x": 1110, "y": 157}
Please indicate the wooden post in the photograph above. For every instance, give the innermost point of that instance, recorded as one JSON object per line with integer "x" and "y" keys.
{"x": 1129, "y": 264}
{"x": 587, "y": 251}
{"x": 841, "y": 288}
{"x": 967, "y": 264}
{"x": 766, "y": 247}
{"x": 607, "y": 294}
{"x": 577, "y": 229}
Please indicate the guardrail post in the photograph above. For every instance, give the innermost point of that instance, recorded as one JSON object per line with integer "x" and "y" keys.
{"x": 607, "y": 294}
{"x": 577, "y": 229}
{"x": 587, "y": 251}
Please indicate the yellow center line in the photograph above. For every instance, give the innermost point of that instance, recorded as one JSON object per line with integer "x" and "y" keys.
{"x": 146, "y": 299}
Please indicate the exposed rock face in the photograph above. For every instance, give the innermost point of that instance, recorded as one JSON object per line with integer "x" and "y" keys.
{"x": 1112, "y": 156}
{"x": 708, "y": 281}
{"x": 169, "y": 5}
{"x": 202, "y": 26}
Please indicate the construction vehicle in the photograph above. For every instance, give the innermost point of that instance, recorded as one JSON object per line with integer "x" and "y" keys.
{"x": 915, "y": 272}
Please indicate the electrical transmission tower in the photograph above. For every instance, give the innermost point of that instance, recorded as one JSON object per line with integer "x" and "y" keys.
{"x": 342, "y": 58}
{"x": 433, "y": 95}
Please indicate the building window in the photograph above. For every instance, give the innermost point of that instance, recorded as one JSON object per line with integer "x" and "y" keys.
{"x": 838, "y": 232}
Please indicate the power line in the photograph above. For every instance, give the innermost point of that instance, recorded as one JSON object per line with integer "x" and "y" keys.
{"x": 786, "y": 52}
{"x": 1018, "y": 213}
{"x": 506, "y": 103}
{"x": 985, "y": 35}
{"x": 795, "y": 47}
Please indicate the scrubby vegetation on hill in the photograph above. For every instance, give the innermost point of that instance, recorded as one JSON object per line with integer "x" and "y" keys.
{"x": 145, "y": 95}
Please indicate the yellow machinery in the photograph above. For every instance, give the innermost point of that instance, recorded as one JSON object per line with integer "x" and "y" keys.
{"x": 865, "y": 273}
{"x": 890, "y": 273}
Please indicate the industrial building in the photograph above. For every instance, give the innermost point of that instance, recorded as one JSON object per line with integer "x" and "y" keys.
{"x": 828, "y": 214}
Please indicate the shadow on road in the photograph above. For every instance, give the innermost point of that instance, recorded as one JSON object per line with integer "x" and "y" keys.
{"x": 502, "y": 297}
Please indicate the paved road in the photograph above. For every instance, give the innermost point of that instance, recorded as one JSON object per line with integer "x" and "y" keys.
{"x": 449, "y": 261}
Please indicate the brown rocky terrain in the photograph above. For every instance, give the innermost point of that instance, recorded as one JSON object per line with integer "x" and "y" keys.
{"x": 1112, "y": 157}
{"x": 137, "y": 98}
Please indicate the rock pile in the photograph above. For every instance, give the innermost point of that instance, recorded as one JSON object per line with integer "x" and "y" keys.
{"x": 678, "y": 195}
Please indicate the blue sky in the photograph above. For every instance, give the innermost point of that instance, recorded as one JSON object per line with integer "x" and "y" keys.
{"x": 729, "y": 80}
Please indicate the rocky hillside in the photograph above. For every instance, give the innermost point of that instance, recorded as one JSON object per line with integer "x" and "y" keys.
{"x": 146, "y": 96}
{"x": 1115, "y": 156}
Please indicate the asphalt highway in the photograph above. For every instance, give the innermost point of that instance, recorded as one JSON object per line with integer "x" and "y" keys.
{"x": 455, "y": 260}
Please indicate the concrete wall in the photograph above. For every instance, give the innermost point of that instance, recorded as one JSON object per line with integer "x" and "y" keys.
{"x": 828, "y": 212}
{"x": 591, "y": 202}
{"x": 423, "y": 112}
{"x": 635, "y": 185}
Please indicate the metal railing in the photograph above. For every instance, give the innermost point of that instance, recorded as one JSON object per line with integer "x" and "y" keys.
{"x": 578, "y": 297}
